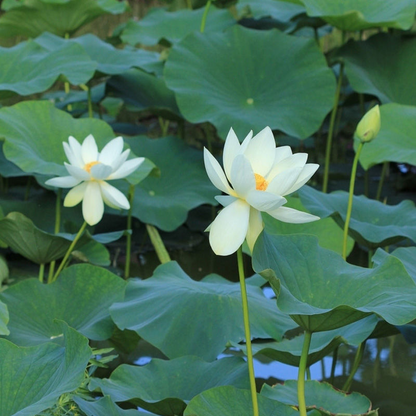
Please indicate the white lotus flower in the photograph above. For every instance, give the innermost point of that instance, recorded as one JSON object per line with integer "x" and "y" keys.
{"x": 89, "y": 170}
{"x": 257, "y": 177}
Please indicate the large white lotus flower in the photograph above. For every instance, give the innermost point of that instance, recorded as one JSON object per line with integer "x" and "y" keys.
{"x": 89, "y": 169}
{"x": 257, "y": 177}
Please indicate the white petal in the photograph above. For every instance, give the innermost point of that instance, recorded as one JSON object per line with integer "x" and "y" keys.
{"x": 76, "y": 150}
{"x": 127, "y": 168}
{"x": 215, "y": 173}
{"x": 246, "y": 142}
{"x": 120, "y": 160}
{"x": 78, "y": 173}
{"x": 261, "y": 151}
{"x": 284, "y": 181}
{"x": 225, "y": 200}
{"x": 89, "y": 150}
{"x": 231, "y": 150}
{"x": 292, "y": 216}
{"x": 63, "y": 182}
{"x": 92, "y": 204}
{"x": 229, "y": 229}
{"x": 75, "y": 195}
{"x": 111, "y": 151}
{"x": 265, "y": 201}
{"x": 294, "y": 161}
{"x": 100, "y": 171}
{"x": 282, "y": 152}
{"x": 255, "y": 227}
{"x": 242, "y": 176}
{"x": 308, "y": 170}
{"x": 73, "y": 160}
{"x": 114, "y": 196}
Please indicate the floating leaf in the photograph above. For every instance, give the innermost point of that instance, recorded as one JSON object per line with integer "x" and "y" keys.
{"x": 288, "y": 351}
{"x": 80, "y": 296}
{"x": 160, "y": 24}
{"x": 395, "y": 142}
{"x": 142, "y": 91}
{"x": 64, "y": 17}
{"x": 354, "y": 15}
{"x": 28, "y": 68}
{"x": 33, "y": 378}
{"x": 212, "y": 301}
{"x": 165, "y": 201}
{"x": 320, "y": 291}
{"x": 229, "y": 401}
{"x": 281, "y": 11}
{"x": 329, "y": 234}
{"x": 381, "y": 66}
{"x": 291, "y": 89}
{"x": 373, "y": 224}
{"x": 322, "y": 396}
{"x": 4, "y": 319}
{"x": 164, "y": 387}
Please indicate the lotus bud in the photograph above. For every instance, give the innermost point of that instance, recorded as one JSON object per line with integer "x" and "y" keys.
{"x": 369, "y": 125}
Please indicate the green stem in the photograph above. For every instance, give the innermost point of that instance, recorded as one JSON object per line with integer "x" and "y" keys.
{"x": 331, "y": 129}
{"x": 356, "y": 364}
{"x": 164, "y": 125}
{"x": 56, "y": 230}
{"x": 301, "y": 373}
{"x": 189, "y": 4}
{"x": 66, "y": 84}
{"x": 129, "y": 233}
{"x": 350, "y": 197}
{"x": 334, "y": 365}
{"x": 204, "y": 16}
{"x": 244, "y": 300}
{"x": 370, "y": 258}
{"x": 41, "y": 272}
{"x": 208, "y": 135}
{"x": 90, "y": 111}
{"x": 69, "y": 251}
{"x": 381, "y": 182}
{"x": 157, "y": 242}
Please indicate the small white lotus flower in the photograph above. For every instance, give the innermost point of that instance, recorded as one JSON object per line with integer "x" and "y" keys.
{"x": 89, "y": 170}
{"x": 257, "y": 177}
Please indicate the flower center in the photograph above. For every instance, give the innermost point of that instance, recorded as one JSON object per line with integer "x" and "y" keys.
{"x": 88, "y": 166}
{"x": 261, "y": 183}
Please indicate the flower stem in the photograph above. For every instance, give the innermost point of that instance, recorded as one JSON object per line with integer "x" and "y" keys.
{"x": 164, "y": 125}
{"x": 56, "y": 230}
{"x": 350, "y": 197}
{"x": 355, "y": 365}
{"x": 189, "y": 4}
{"x": 41, "y": 272}
{"x": 334, "y": 365}
{"x": 69, "y": 251}
{"x": 301, "y": 373}
{"x": 381, "y": 182}
{"x": 90, "y": 112}
{"x": 129, "y": 231}
{"x": 157, "y": 242}
{"x": 204, "y": 16}
{"x": 66, "y": 84}
{"x": 247, "y": 331}
{"x": 331, "y": 129}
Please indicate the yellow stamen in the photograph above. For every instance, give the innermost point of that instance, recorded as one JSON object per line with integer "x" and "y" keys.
{"x": 261, "y": 183}
{"x": 88, "y": 166}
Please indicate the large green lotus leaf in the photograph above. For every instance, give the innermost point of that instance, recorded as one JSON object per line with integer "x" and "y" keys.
{"x": 165, "y": 386}
{"x": 4, "y": 319}
{"x": 19, "y": 232}
{"x": 160, "y": 24}
{"x": 373, "y": 224}
{"x": 165, "y": 200}
{"x": 105, "y": 406}
{"x": 280, "y": 10}
{"x": 382, "y": 66}
{"x": 145, "y": 92}
{"x": 395, "y": 141}
{"x": 33, "y": 378}
{"x": 288, "y": 351}
{"x": 213, "y": 303}
{"x": 29, "y": 68}
{"x": 406, "y": 255}
{"x": 34, "y": 132}
{"x": 291, "y": 89}
{"x": 108, "y": 59}
{"x": 80, "y": 296}
{"x": 230, "y": 401}
{"x": 321, "y": 396}
{"x": 321, "y": 291}
{"x": 34, "y": 17}
{"x": 329, "y": 234}
{"x": 353, "y": 15}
